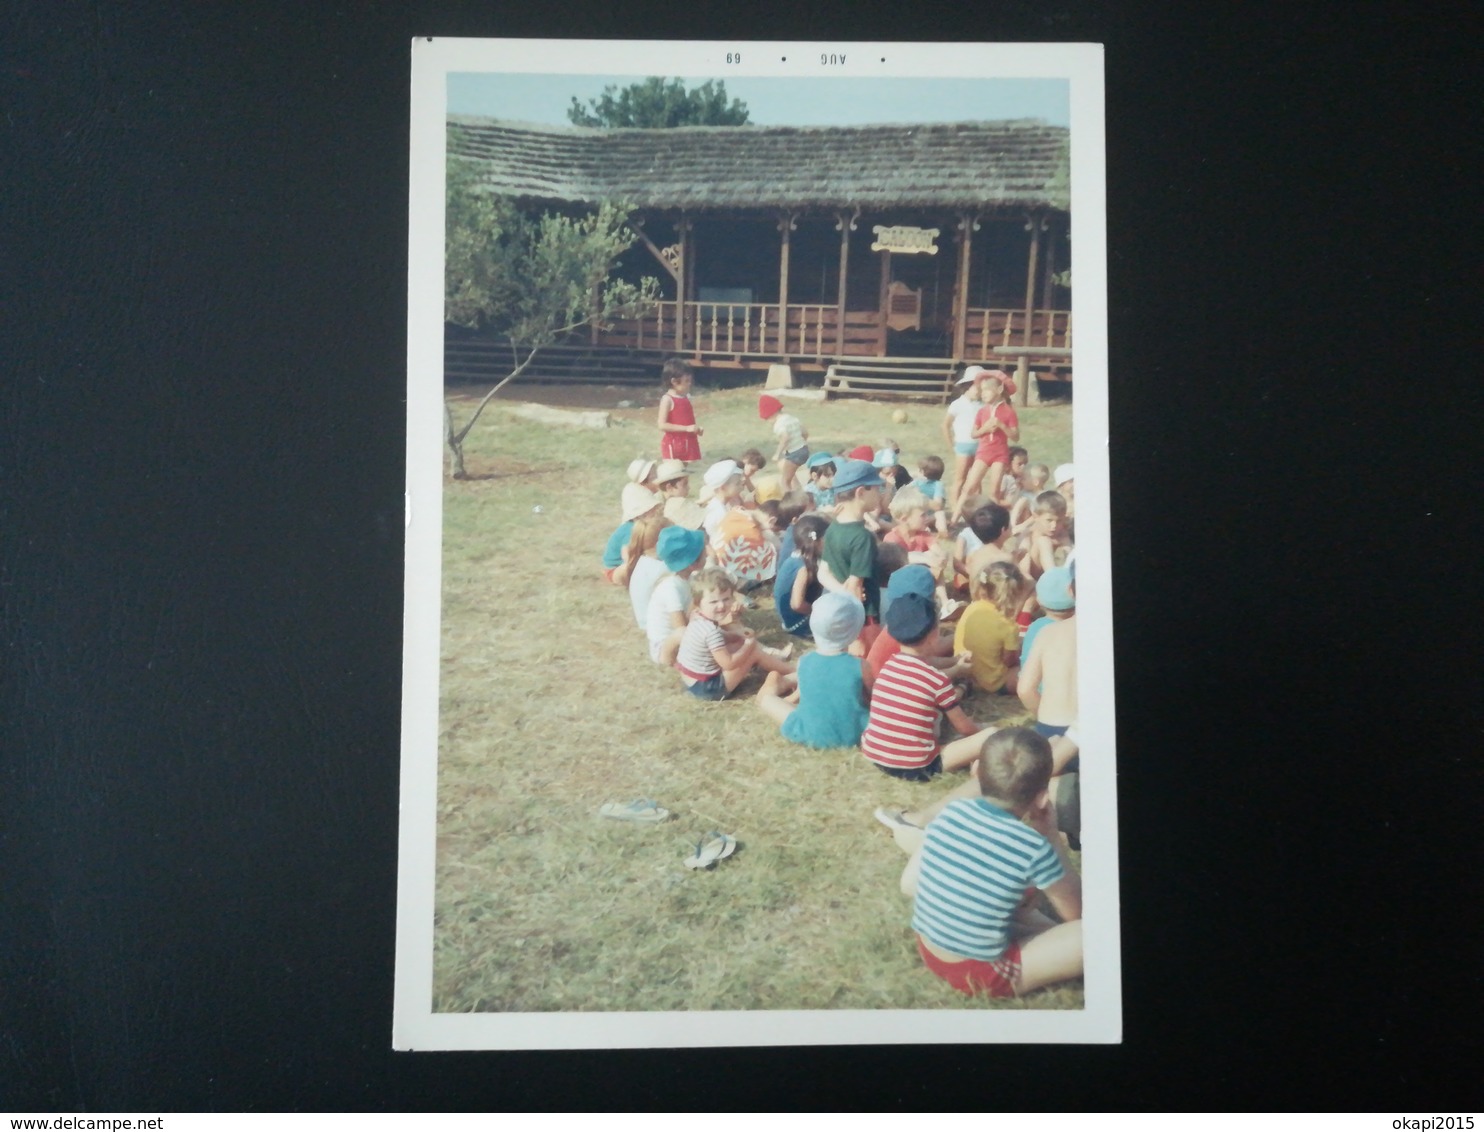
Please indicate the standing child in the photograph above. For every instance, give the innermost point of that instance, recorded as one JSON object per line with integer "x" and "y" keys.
{"x": 793, "y": 437}
{"x": 958, "y": 430}
{"x": 825, "y": 705}
{"x": 996, "y": 427}
{"x": 682, "y": 550}
{"x": 710, "y": 666}
{"x": 969, "y": 880}
{"x": 680, "y": 436}
{"x": 988, "y": 629}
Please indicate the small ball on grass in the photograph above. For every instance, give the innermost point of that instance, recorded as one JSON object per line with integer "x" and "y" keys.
{"x": 900, "y": 416}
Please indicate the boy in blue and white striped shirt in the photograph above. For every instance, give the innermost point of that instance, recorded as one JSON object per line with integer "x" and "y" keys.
{"x": 982, "y": 863}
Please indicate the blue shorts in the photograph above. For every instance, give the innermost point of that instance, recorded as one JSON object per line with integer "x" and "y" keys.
{"x": 714, "y": 687}
{"x": 965, "y": 447}
{"x": 915, "y": 774}
{"x": 1047, "y": 731}
{"x": 799, "y": 456}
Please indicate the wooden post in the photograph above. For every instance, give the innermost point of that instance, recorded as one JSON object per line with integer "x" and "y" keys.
{"x": 881, "y": 302}
{"x": 968, "y": 224}
{"x": 1023, "y": 380}
{"x": 845, "y": 225}
{"x": 1047, "y": 293}
{"x": 682, "y": 279}
{"x": 787, "y": 222}
{"x": 1033, "y": 224}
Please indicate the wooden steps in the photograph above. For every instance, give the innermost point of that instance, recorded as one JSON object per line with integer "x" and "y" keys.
{"x": 928, "y": 378}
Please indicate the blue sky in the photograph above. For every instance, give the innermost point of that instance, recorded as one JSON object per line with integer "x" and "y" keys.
{"x": 783, "y": 101}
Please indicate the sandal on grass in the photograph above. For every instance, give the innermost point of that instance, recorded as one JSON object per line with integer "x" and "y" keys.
{"x": 640, "y": 810}
{"x": 894, "y": 819}
{"x": 711, "y": 848}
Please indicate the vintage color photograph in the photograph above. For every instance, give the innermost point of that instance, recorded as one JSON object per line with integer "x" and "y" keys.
{"x": 758, "y": 668}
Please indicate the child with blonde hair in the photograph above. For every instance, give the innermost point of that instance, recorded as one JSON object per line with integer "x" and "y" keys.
{"x": 988, "y": 630}
{"x": 710, "y": 664}
{"x": 1033, "y": 480}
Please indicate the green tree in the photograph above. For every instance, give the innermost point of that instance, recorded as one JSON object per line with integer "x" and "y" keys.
{"x": 660, "y": 103}
{"x": 528, "y": 279}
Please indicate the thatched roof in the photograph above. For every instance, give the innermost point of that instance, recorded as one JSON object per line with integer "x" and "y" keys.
{"x": 956, "y": 165}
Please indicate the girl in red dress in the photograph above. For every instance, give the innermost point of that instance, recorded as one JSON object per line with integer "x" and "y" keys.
{"x": 680, "y": 436}
{"x": 996, "y": 427}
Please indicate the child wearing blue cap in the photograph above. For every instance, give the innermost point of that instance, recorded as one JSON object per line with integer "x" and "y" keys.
{"x": 909, "y": 698}
{"x": 682, "y": 550}
{"x": 1048, "y": 675}
{"x": 848, "y": 561}
{"x": 824, "y": 705}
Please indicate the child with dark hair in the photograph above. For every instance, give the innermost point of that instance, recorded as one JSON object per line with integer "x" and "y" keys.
{"x": 820, "y": 488}
{"x": 797, "y": 586}
{"x": 1007, "y": 491}
{"x": 979, "y": 857}
{"x": 991, "y": 526}
{"x": 680, "y": 436}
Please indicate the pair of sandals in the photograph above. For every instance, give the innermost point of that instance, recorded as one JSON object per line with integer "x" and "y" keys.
{"x": 712, "y": 847}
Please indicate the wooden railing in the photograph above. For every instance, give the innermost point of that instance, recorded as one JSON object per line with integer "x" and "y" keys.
{"x": 985, "y": 328}
{"x": 748, "y": 329}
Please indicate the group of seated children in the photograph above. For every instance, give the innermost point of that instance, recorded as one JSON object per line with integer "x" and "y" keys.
{"x": 910, "y": 594}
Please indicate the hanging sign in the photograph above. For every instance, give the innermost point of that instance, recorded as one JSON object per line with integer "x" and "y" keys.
{"x": 904, "y": 240}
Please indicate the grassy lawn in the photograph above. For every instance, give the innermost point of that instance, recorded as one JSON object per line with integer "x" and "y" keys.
{"x": 550, "y": 707}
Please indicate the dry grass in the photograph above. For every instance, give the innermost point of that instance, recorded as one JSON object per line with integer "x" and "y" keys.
{"x": 550, "y": 707}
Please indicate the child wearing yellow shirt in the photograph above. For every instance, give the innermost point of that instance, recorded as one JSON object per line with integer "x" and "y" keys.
{"x": 987, "y": 629}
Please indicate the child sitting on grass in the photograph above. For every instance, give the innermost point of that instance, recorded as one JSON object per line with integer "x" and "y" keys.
{"x": 752, "y": 462}
{"x": 683, "y": 551}
{"x": 1048, "y": 674}
{"x": 793, "y": 438}
{"x": 710, "y": 664}
{"x": 1047, "y": 540}
{"x": 824, "y": 705}
{"x": 929, "y": 481}
{"x": 988, "y": 631}
{"x": 1033, "y": 479}
{"x": 637, "y": 502}
{"x": 1007, "y": 491}
{"x": 969, "y": 881}
{"x": 991, "y": 526}
{"x": 797, "y": 586}
{"x": 913, "y": 578}
{"x": 1054, "y": 596}
{"x": 909, "y": 697}
{"x": 848, "y": 561}
{"x": 820, "y": 487}
{"x": 910, "y": 529}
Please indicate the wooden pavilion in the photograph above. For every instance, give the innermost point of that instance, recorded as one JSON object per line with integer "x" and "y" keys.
{"x": 901, "y": 248}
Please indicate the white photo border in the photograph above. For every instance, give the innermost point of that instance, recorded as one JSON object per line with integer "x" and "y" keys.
{"x": 415, "y": 1026}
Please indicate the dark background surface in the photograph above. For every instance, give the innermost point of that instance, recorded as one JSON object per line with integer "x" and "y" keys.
{"x": 201, "y": 471}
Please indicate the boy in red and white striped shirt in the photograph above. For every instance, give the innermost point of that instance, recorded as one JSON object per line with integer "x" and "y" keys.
{"x": 907, "y": 698}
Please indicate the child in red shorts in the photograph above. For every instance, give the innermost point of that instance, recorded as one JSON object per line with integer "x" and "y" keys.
{"x": 981, "y": 863}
